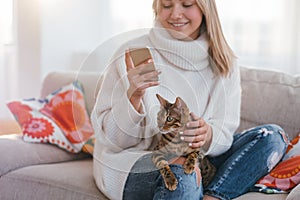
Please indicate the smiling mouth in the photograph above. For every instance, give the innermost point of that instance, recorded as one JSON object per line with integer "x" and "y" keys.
{"x": 178, "y": 25}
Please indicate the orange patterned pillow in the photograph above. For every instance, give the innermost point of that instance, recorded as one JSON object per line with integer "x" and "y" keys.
{"x": 61, "y": 118}
{"x": 286, "y": 175}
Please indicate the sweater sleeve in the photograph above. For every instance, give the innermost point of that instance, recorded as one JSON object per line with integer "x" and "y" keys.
{"x": 223, "y": 113}
{"x": 114, "y": 119}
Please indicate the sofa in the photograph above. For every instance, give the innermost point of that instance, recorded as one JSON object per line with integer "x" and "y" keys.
{"x": 35, "y": 171}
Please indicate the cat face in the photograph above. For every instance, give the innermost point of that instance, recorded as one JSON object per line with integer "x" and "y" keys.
{"x": 171, "y": 116}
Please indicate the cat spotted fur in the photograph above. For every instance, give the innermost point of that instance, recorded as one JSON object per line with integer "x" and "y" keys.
{"x": 171, "y": 120}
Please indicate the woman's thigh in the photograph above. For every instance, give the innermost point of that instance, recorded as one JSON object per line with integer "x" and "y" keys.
{"x": 145, "y": 181}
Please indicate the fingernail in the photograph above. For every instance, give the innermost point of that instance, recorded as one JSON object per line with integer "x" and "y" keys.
{"x": 182, "y": 138}
{"x": 190, "y": 144}
{"x": 180, "y": 132}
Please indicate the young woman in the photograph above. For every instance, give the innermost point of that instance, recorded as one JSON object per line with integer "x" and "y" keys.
{"x": 193, "y": 61}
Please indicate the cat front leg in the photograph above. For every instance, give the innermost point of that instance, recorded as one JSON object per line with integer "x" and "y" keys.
{"x": 190, "y": 162}
{"x": 168, "y": 176}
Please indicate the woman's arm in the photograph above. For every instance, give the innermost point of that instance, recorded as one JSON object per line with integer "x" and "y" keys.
{"x": 113, "y": 117}
{"x": 119, "y": 111}
{"x": 138, "y": 83}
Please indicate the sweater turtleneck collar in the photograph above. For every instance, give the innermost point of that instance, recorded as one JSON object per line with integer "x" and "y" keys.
{"x": 190, "y": 55}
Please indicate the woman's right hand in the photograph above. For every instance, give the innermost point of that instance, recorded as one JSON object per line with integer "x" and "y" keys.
{"x": 138, "y": 83}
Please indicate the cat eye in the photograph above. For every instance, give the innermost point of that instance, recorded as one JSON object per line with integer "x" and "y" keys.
{"x": 169, "y": 119}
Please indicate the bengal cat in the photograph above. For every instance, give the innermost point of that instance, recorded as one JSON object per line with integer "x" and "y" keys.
{"x": 171, "y": 120}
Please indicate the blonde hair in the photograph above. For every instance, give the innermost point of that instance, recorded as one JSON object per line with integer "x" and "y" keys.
{"x": 221, "y": 55}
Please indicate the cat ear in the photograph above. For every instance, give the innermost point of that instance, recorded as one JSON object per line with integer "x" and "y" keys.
{"x": 163, "y": 102}
{"x": 179, "y": 103}
{"x": 182, "y": 108}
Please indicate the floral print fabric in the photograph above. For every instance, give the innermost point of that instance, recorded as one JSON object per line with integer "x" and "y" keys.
{"x": 61, "y": 118}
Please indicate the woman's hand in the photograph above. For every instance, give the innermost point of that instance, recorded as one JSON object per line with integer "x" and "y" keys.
{"x": 139, "y": 82}
{"x": 198, "y": 133}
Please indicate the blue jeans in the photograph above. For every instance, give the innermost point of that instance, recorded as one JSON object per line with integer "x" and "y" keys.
{"x": 252, "y": 155}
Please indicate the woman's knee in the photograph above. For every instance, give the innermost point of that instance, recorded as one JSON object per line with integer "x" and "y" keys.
{"x": 275, "y": 145}
{"x": 269, "y": 134}
{"x": 275, "y": 134}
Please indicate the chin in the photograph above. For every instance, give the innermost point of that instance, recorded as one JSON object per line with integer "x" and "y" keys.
{"x": 179, "y": 35}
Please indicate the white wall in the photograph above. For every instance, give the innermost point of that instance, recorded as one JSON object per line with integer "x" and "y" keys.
{"x": 70, "y": 30}
{"x": 59, "y": 34}
{"x": 264, "y": 34}
{"x": 50, "y": 35}
{"x": 28, "y": 48}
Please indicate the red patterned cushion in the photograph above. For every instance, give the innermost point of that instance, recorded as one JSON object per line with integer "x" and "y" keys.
{"x": 61, "y": 118}
{"x": 286, "y": 175}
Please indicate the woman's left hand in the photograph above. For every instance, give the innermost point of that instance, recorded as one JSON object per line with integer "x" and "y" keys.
{"x": 198, "y": 133}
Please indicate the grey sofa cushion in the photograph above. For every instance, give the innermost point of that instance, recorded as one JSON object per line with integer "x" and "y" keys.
{"x": 60, "y": 181}
{"x": 69, "y": 181}
{"x": 15, "y": 153}
{"x": 258, "y": 196}
{"x": 295, "y": 194}
{"x": 270, "y": 97}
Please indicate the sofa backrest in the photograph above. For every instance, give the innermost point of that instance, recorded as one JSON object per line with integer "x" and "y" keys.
{"x": 270, "y": 97}
{"x": 267, "y": 96}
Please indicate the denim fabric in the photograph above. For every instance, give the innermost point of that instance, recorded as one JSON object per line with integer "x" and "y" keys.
{"x": 253, "y": 154}
{"x": 145, "y": 182}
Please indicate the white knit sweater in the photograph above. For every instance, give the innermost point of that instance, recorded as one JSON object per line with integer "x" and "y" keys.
{"x": 123, "y": 135}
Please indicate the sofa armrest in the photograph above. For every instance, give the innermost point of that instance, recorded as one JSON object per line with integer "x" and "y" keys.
{"x": 294, "y": 194}
{"x": 15, "y": 153}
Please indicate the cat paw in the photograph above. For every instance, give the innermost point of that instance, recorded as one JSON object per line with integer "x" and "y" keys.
{"x": 190, "y": 162}
{"x": 188, "y": 168}
{"x": 171, "y": 183}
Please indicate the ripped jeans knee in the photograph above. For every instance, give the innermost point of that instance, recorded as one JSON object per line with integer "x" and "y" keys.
{"x": 277, "y": 140}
